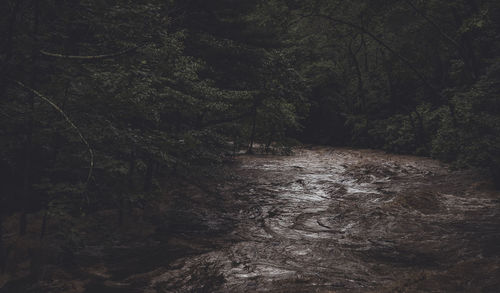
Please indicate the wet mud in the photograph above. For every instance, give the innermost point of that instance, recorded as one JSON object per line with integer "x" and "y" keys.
{"x": 340, "y": 220}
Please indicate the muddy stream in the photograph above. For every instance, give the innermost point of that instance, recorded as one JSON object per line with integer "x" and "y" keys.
{"x": 336, "y": 220}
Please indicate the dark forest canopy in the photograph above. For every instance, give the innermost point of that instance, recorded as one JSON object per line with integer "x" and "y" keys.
{"x": 100, "y": 98}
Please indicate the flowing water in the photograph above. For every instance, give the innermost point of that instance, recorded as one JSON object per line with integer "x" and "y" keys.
{"x": 339, "y": 220}
{"x": 321, "y": 220}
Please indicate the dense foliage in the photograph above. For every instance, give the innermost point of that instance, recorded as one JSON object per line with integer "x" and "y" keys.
{"x": 417, "y": 77}
{"x": 101, "y": 98}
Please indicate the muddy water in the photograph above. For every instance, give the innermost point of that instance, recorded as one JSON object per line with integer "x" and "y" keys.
{"x": 339, "y": 220}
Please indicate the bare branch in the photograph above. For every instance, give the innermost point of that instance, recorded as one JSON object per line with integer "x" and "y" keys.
{"x": 105, "y": 56}
{"x": 380, "y": 42}
{"x": 412, "y": 67}
{"x": 452, "y": 41}
{"x": 84, "y": 140}
{"x": 440, "y": 31}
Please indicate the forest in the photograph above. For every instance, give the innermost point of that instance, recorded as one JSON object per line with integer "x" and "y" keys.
{"x": 107, "y": 106}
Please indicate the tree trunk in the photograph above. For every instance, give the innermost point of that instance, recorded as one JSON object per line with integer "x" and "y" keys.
{"x": 131, "y": 173}
{"x": 7, "y": 49}
{"x": 414, "y": 127}
{"x": 387, "y": 65}
{"x": 367, "y": 64}
{"x": 148, "y": 178}
{"x": 3, "y": 254}
{"x": 270, "y": 141}
{"x": 235, "y": 145}
{"x": 252, "y": 135}
{"x": 27, "y": 188}
{"x": 466, "y": 44}
{"x": 43, "y": 228}
{"x": 120, "y": 210}
{"x": 418, "y": 128}
{"x": 361, "y": 95}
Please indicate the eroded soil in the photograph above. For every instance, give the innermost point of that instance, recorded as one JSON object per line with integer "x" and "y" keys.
{"x": 322, "y": 220}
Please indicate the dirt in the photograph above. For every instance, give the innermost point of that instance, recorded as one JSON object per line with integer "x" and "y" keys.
{"x": 321, "y": 220}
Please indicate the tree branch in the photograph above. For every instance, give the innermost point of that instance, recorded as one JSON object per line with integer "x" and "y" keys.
{"x": 440, "y": 31}
{"x": 224, "y": 120}
{"x": 452, "y": 41}
{"x": 382, "y": 43}
{"x": 421, "y": 76}
{"x": 84, "y": 140}
{"x": 95, "y": 57}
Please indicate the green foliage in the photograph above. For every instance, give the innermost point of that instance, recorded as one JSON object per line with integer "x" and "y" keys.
{"x": 475, "y": 140}
{"x": 187, "y": 80}
{"x": 397, "y": 133}
{"x": 170, "y": 88}
{"x": 406, "y": 76}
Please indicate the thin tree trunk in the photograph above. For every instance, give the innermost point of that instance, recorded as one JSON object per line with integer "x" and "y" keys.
{"x": 418, "y": 129}
{"x": 269, "y": 141}
{"x": 466, "y": 43}
{"x": 148, "y": 178}
{"x": 27, "y": 188}
{"x": 7, "y": 50}
{"x": 363, "y": 41}
{"x": 252, "y": 135}
{"x": 415, "y": 131}
{"x": 36, "y": 255}
{"x": 421, "y": 128}
{"x": 235, "y": 145}
{"x": 43, "y": 228}
{"x": 131, "y": 186}
{"x": 361, "y": 95}
{"x": 120, "y": 210}
{"x": 3, "y": 254}
{"x": 387, "y": 65}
